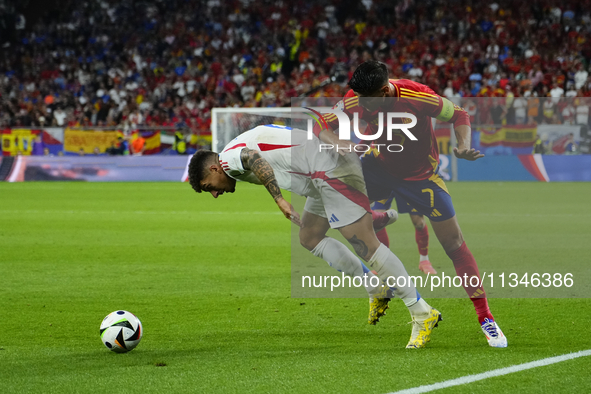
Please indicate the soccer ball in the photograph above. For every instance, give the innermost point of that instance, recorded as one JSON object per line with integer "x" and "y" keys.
{"x": 121, "y": 331}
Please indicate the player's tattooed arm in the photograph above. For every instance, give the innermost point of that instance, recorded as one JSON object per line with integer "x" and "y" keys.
{"x": 253, "y": 161}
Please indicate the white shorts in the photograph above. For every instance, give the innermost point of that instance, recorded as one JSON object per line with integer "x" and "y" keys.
{"x": 342, "y": 194}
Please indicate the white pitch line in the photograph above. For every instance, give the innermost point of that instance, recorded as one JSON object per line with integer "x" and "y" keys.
{"x": 123, "y": 212}
{"x": 532, "y": 215}
{"x": 494, "y": 373}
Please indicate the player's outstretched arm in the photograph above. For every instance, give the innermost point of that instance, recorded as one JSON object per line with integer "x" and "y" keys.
{"x": 253, "y": 161}
{"x": 463, "y": 151}
{"x": 443, "y": 109}
{"x": 451, "y": 113}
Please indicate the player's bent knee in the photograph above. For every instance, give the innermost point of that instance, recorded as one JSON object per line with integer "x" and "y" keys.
{"x": 309, "y": 240}
{"x": 418, "y": 221}
{"x": 452, "y": 243}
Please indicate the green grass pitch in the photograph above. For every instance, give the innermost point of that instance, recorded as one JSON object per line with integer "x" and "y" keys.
{"x": 210, "y": 281}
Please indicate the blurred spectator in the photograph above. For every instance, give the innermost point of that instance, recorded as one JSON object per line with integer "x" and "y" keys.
{"x": 568, "y": 114}
{"x": 520, "y": 106}
{"x": 118, "y": 148}
{"x": 59, "y": 116}
{"x": 180, "y": 146}
{"x": 539, "y": 145}
{"x": 137, "y": 146}
{"x": 549, "y": 111}
{"x": 498, "y": 112}
{"x": 248, "y": 90}
{"x": 580, "y": 76}
{"x": 570, "y": 145}
{"x": 533, "y": 110}
{"x": 556, "y": 93}
{"x": 571, "y": 92}
{"x": 109, "y": 63}
{"x": 38, "y": 149}
{"x": 582, "y": 111}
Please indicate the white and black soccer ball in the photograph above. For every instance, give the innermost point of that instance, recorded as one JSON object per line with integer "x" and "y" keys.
{"x": 121, "y": 331}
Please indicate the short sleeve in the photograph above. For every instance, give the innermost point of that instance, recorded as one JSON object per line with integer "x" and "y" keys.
{"x": 231, "y": 163}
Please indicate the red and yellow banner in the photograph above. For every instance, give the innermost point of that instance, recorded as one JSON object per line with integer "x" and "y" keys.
{"x": 76, "y": 140}
{"x": 512, "y": 136}
{"x": 18, "y": 141}
{"x": 152, "y": 142}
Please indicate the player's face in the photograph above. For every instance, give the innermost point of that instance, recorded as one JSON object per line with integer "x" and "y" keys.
{"x": 218, "y": 183}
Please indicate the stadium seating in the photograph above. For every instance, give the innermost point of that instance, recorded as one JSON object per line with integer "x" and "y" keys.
{"x": 108, "y": 63}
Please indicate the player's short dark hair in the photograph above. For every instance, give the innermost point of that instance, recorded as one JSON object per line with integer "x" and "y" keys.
{"x": 198, "y": 167}
{"x": 369, "y": 77}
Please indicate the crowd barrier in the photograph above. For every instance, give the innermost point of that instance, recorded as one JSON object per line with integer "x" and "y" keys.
{"x": 93, "y": 169}
{"x": 543, "y": 168}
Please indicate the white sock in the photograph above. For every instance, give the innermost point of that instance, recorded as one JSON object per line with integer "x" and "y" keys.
{"x": 339, "y": 257}
{"x": 423, "y": 258}
{"x": 419, "y": 308}
{"x": 386, "y": 264}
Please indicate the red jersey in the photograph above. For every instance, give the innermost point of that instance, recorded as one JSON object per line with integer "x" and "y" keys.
{"x": 418, "y": 159}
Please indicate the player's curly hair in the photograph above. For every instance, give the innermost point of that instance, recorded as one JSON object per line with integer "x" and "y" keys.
{"x": 198, "y": 167}
{"x": 369, "y": 77}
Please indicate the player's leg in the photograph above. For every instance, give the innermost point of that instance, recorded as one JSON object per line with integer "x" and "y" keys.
{"x": 313, "y": 237}
{"x": 345, "y": 197}
{"x": 382, "y": 219}
{"x": 338, "y": 256}
{"x": 383, "y": 215}
{"x": 314, "y": 228}
{"x": 422, "y": 239}
{"x": 445, "y": 225}
{"x": 362, "y": 238}
{"x": 390, "y": 269}
{"x": 345, "y": 200}
{"x": 431, "y": 198}
{"x": 421, "y": 232}
{"x": 450, "y": 236}
{"x": 381, "y": 193}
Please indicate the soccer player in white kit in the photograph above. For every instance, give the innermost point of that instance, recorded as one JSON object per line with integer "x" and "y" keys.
{"x": 281, "y": 158}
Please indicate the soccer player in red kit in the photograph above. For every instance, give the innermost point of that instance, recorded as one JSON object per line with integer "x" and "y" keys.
{"x": 411, "y": 174}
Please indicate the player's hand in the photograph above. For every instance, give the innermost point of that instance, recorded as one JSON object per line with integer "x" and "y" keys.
{"x": 346, "y": 147}
{"x": 467, "y": 154}
{"x": 288, "y": 211}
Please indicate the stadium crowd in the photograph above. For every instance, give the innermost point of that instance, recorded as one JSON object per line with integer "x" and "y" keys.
{"x": 108, "y": 63}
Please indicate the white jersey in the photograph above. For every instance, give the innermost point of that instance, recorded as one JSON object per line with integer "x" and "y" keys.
{"x": 333, "y": 184}
{"x": 292, "y": 157}
{"x": 582, "y": 114}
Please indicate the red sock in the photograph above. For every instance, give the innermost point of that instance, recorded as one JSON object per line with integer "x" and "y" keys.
{"x": 379, "y": 219}
{"x": 422, "y": 238}
{"x": 383, "y": 237}
{"x": 464, "y": 263}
